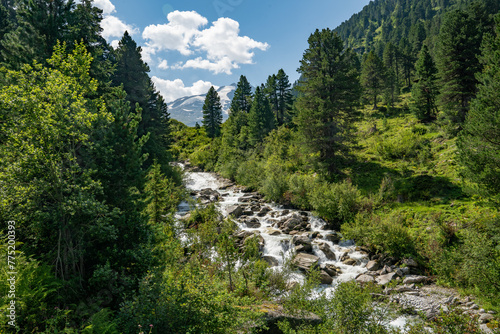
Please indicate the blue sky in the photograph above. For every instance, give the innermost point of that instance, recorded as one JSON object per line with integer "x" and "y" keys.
{"x": 191, "y": 45}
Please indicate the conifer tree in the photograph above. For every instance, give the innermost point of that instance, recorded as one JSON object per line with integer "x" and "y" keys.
{"x": 424, "y": 90}
{"x": 372, "y": 77}
{"x": 330, "y": 91}
{"x": 270, "y": 90}
{"x": 284, "y": 96}
{"x": 242, "y": 99}
{"x": 479, "y": 142}
{"x": 212, "y": 113}
{"x": 457, "y": 52}
{"x": 260, "y": 118}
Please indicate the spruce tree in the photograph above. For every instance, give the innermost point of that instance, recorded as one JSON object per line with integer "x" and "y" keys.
{"x": 372, "y": 77}
{"x": 479, "y": 142}
{"x": 242, "y": 99}
{"x": 459, "y": 46}
{"x": 330, "y": 92}
{"x": 260, "y": 118}
{"x": 284, "y": 96}
{"x": 424, "y": 90}
{"x": 212, "y": 113}
{"x": 270, "y": 90}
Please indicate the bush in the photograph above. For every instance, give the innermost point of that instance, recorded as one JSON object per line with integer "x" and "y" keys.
{"x": 300, "y": 188}
{"x": 336, "y": 203}
{"x": 249, "y": 173}
{"x": 275, "y": 184}
{"x": 406, "y": 144}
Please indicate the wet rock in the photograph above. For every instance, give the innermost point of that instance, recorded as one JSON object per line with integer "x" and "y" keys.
{"x": 349, "y": 262}
{"x": 325, "y": 278}
{"x": 252, "y": 223}
{"x": 315, "y": 235}
{"x": 271, "y": 260}
{"x": 303, "y": 244}
{"x": 333, "y": 237}
{"x": 364, "y": 279}
{"x": 243, "y": 234}
{"x": 384, "y": 279}
{"x": 291, "y": 223}
{"x": 415, "y": 279}
{"x": 264, "y": 211}
{"x": 327, "y": 251}
{"x": 235, "y": 210}
{"x": 330, "y": 269}
{"x": 372, "y": 265}
{"x": 305, "y": 261}
{"x": 273, "y": 231}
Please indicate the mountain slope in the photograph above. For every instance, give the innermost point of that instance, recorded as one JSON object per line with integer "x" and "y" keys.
{"x": 188, "y": 109}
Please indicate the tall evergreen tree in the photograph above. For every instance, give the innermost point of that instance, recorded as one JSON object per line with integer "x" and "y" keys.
{"x": 373, "y": 76}
{"x": 212, "y": 113}
{"x": 424, "y": 90}
{"x": 479, "y": 141}
{"x": 330, "y": 91}
{"x": 242, "y": 99}
{"x": 390, "y": 59}
{"x": 284, "y": 96}
{"x": 260, "y": 118}
{"x": 459, "y": 46}
{"x": 270, "y": 90}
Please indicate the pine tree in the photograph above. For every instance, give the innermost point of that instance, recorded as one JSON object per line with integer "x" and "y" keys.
{"x": 479, "y": 142}
{"x": 284, "y": 96}
{"x": 242, "y": 99}
{"x": 330, "y": 91}
{"x": 270, "y": 90}
{"x": 212, "y": 113}
{"x": 390, "y": 59}
{"x": 424, "y": 90}
{"x": 260, "y": 118}
{"x": 457, "y": 52}
{"x": 372, "y": 77}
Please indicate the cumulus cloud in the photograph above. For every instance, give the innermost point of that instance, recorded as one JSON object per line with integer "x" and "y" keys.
{"x": 221, "y": 45}
{"x": 174, "y": 89}
{"x": 177, "y": 34}
{"x": 106, "y": 6}
{"x": 114, "y": 27}
{"x": 163, "y": 65}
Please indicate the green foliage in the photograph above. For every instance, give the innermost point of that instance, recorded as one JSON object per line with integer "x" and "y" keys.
{"x": 424, "y": 91}
{"x": 102, "y": 323}
{"x": 405, "y": 144}
{"x": 330, "y": 91}
{"x": 337, "y": 203}
{"x": 260, "y": 118}
{"x": 373, "y": 75}
{"x": 212, "y": 113}
{"x": 479, "y": 149}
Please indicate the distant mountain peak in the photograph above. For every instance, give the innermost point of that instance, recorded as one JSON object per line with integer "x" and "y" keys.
{"x": 189, "y": 109}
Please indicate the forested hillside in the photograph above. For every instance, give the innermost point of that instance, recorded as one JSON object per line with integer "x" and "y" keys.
{"x": 390, "y": 136}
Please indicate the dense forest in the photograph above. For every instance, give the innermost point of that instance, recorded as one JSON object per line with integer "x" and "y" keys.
{"x": 390, "y": 136}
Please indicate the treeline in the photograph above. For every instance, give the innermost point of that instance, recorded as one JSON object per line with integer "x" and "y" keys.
{"x": 84, "y": 167}
{"x": 314, "y": 154}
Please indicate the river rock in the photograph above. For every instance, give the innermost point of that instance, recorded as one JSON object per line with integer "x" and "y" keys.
{"x": 291, "y": 223}
{"x": 273, "y": 231}
{"x": 384, "y": 279}
{"x": 327, "y": 251}
{"x": 305, "y": 261}
{"x": 330, "y": 269}
{"x": 302, "y": 243}
{"x": 365, "y": 279}
{"x": 235, "y": 210}
{"x": 271, "y": 260}
{"x": 325, "y": 278}
{"x": 415, "y": 279}
{"x": 349, "y": 262}
{"x": 333, "y": 237}
{"x": 252, "y": 223}
{"x": 264, "y": 211}
{"x": 372, "y": 266}
{"x": 275, "y": 314}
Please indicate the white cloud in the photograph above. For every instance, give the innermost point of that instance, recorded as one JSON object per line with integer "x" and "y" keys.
{"x": 106, "y": 6}
{"x": 115, "y": 43}
{"x": 163, "y": 65}
{"x": 114, "y": 27}
{"x": 222, "y": 46}
{"x": 174, "y": 89}
{"x": 147, "y": 54}
{"x": 177, "y": 34}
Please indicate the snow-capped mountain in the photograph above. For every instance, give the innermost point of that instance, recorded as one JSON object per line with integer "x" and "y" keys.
{"x": 189, "y": 109}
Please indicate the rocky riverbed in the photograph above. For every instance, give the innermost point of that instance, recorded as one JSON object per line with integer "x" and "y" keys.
{"x": 286, "y": 234}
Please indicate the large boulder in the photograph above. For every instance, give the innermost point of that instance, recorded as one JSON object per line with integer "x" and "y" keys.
{"x": 330, "y": 269}
{"x": 384, "y": 279}
{"x": 235, "y": 210}
{"x": 415, "y": 279}
{"x": 327, "y": 251}
{"x": 252, "y": 223}
{"x": 273, "y": 231}
{"x": 264, "y": 211}
{"x": 305, "y": 261}
{"x": 333, "y": 237}
{"x": 349, "y": 262}
{"x": 372, "y": 265}
{"x": 289, "y": 224}
{"x": 325, "y": 278}
{"x": 364, "y": 279}
{"x": 302, "y": 243}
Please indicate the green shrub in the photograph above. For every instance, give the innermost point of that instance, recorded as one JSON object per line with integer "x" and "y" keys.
{"x": 336, "y": 202}
{"x": 405, "y": 144}
{"x": 249, "y": 173}
{"x": 275, "y": 183}
{"x": 300, "y": 188}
